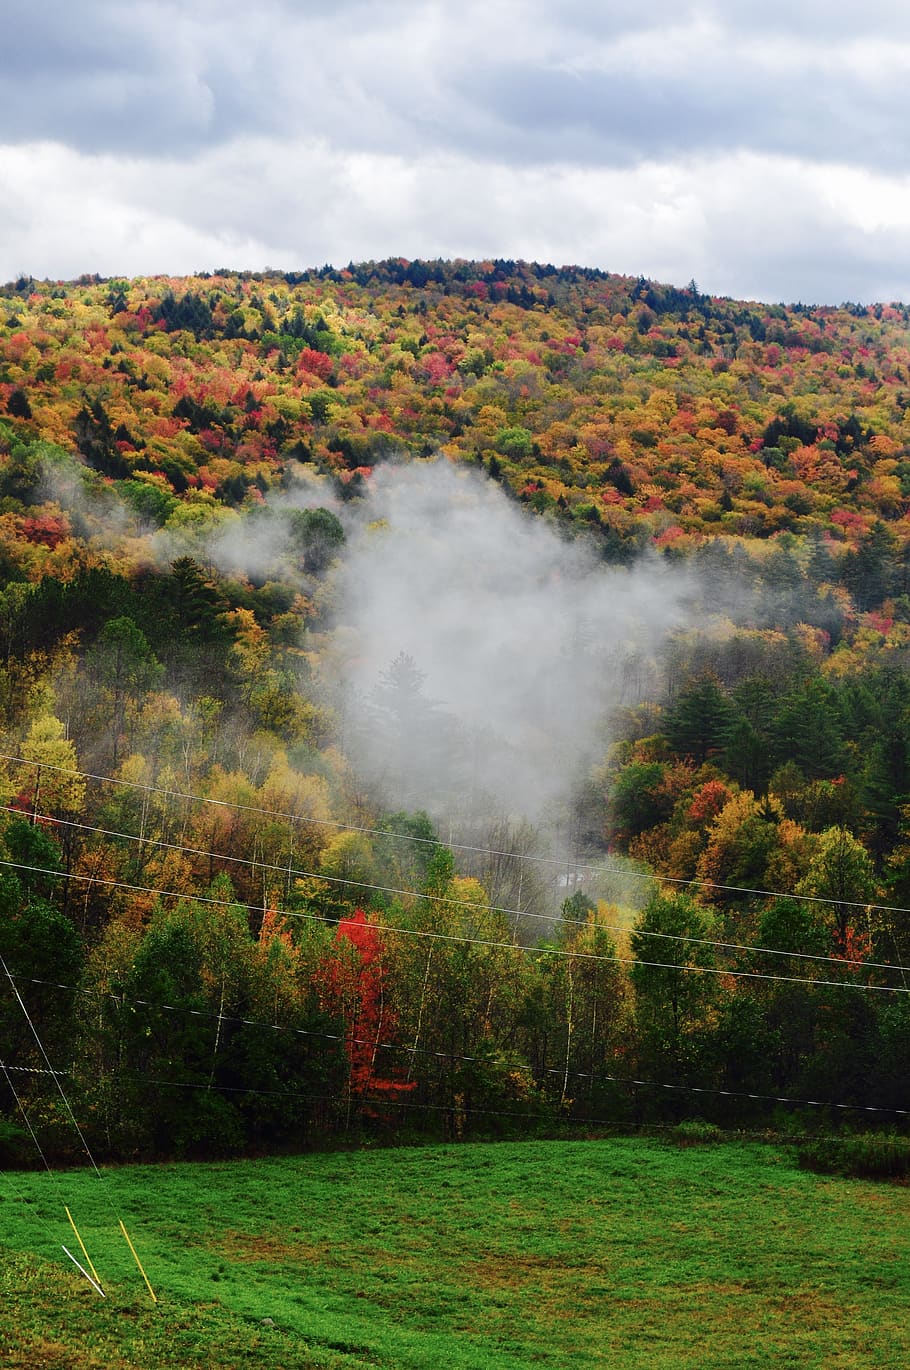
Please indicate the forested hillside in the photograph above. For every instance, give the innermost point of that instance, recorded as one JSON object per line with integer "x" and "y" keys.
{"x": 449, "y": 696}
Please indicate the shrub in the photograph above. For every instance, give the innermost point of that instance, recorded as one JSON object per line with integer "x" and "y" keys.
{"x": 866, "y": 1155}
{"x": 696, "y": 1132}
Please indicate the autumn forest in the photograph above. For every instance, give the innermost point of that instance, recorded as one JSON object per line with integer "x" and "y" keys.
{"x": 449, "y": 699}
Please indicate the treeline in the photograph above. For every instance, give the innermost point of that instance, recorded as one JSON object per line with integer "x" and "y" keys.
{"x": 185, "y": 1025}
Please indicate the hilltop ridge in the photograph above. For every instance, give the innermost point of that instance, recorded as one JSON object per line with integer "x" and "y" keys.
{"x": 636, "y": 410}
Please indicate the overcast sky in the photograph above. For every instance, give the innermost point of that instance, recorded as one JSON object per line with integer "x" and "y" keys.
{"x": 759, "y": 146}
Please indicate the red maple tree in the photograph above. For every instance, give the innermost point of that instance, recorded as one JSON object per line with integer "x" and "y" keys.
{"x": 354, "y": 985}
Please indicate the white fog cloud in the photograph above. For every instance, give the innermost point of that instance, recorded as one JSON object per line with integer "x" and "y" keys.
{"x": 522, "y": 640}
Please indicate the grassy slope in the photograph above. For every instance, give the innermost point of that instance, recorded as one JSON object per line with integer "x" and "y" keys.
{"x": 620, "y": 1252}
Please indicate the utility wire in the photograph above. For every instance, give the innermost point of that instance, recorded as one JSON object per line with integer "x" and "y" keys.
{"x": 37, "y": 1070}
{"x": 47, "y": 1062}
{"x": 21, "y": 1106}
{"x": 405, "y": 1103}
{"x": 22, "y": 1197}
{"x": 364, "y": 1104}
{"x": 287, "y": 871}
{"x": 53, "y": 1174}
{"x": 463, "y": 940}
{"x": 560, "y": 862}
{"x": 56, "y": 1078}
{"x": 594, "y": 1077}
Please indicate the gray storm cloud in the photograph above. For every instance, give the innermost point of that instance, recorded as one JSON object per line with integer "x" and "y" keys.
{"x": 584, "y": 83}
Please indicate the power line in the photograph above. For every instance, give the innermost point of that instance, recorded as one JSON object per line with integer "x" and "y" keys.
{"x": 34, "y": 1031}
{"x": 278, "y": 813}
{"x": 560, "y": 862}
{"x": 462, "y": 940}
{"x": 25, "y": 1118}
{"x": 21, "y": 1106}
{"x": 363, "y": 1104}
{"x": 403, "y": 1103}
{"x": 81, "y": 1135}
{"x": 628, "y": 1081}
{"x": 593, "y": 1076}
{"x": 287, "y": 870}
{"x": 407, "y": 1104}
{"x": 23, "y": 1198}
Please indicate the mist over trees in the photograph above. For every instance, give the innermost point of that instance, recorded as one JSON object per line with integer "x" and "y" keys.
{"x": 449, "y": 698}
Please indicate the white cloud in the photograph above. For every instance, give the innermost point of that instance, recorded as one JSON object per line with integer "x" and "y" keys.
{"x": 756, "y": 226}
{"x": 759, "y": 147}
{"x": 66, "y": 214}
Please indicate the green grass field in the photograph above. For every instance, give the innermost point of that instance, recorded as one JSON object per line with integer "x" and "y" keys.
{"x": 622, "y": 1252}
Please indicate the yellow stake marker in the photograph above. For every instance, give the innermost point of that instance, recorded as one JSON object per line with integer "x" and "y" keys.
{"x": 137, "y": 1260}
{"x": 88, "y": 1259}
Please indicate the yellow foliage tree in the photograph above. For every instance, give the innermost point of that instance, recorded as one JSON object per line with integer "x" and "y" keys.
{"x": 54, "y": 784}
